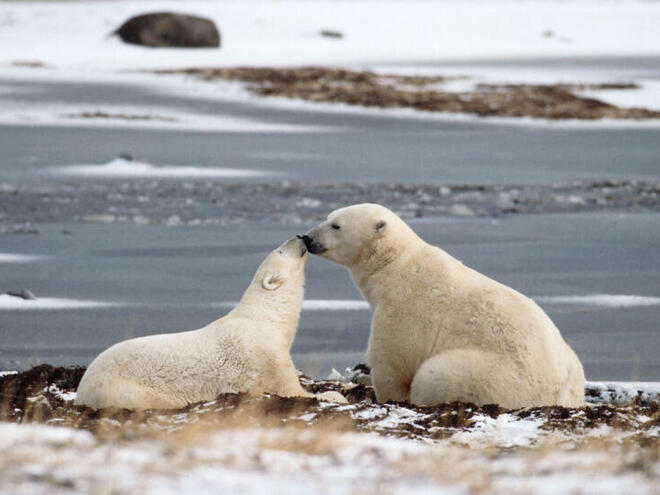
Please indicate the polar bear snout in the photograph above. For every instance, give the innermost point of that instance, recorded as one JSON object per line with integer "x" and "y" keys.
{"x": 294, "y": 246}
{"x": 312, "y": 245}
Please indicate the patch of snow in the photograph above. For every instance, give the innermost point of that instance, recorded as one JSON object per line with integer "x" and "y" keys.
{"x": 48, "y": 459}
{"x": 460, "y": 210}
{"x": 602, "y": 300}
{"x": 18, "y": 258}
{"x": 397, "y": 416}
{"x": 336, "y": 376}
{"x": 46, "y": 435}
{"x": 621, "y": 393}
{"x": 647, "y": 95}
{"x": 120, "y": 167}
{"x": 370, "y": 414}
{"x": 62, "y": 394}
{"x": 334, "y": 305}
{"x": 318, "y": 305}
{"x": 308, "y": 203}
{"x": 148, "y": 117}
{"x": 504, "y": 431}
{"x": 7, "y": 373}
{"x": 10, "y": 303}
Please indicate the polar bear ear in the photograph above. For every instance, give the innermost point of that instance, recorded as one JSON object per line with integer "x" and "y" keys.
{"x": 380, "y": 227}
{"x": 271, "y": 281}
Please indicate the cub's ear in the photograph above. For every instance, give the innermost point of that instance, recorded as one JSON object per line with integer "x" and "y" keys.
{"x": 272, "y": 281}
{"x": 380, "y": 227}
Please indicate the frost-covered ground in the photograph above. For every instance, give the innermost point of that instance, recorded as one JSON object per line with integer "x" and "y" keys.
{"x": 238, "y": 444}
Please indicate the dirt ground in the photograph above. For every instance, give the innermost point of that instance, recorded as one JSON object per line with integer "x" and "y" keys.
{"x": 43, "y": 395}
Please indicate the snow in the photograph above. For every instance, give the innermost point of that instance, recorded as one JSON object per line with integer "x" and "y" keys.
{"x": 595, "y": 300}
{"x": 622, "y": 392}
{"x": 318, "y": 305}
{"x": 286, "y": 32}
{"x": 504, "y": 431}
{"x": 200, "y": 450}
{"x": 65, "y": 460}
{"x": 527, "y": 41}
{"x": 334, "y": 305}
{"x": 647, "y": 95}
{"x": 62, "y": 394}
{"x": 602, "y": 300}
{"x": 120, "y": 167}
{"x": 9, "y": 303}
{"x": 18, "y": 258}
{"x": 147, "y": 117}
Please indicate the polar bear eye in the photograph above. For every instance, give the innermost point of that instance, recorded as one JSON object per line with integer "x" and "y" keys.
{"x": 335, "y": 226}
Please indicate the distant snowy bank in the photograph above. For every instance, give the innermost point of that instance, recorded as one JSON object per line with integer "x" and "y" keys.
{"x": 8, "y": 302}
{"x": 288, "y": 32}
{"x": 121, "y": 167}
{"x": 504, "y": 42}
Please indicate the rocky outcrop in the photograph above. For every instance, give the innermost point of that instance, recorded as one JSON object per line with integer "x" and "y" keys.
{"x": 166, "y": 29}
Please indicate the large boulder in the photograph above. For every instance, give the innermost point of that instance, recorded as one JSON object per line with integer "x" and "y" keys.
{"x": 170, "y": 30}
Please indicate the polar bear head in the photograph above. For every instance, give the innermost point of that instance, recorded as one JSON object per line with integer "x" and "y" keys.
{"x": 274, "y": 297}
{"x": 285, "y": 266}
{"x": 358, "y": 235}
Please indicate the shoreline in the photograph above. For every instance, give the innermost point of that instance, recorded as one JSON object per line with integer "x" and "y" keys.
{"x": 196, "y": 202}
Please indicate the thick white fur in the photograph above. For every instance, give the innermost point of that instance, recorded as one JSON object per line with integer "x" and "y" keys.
{"x": 245, "y": 351}
{"x": 440, "y": 331}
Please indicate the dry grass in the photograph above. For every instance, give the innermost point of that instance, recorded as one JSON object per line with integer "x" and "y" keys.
{"x": 368, "y": 89}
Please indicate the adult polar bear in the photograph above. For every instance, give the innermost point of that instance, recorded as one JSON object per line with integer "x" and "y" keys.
{"x": 440, "y": 331}
{"x": 245, "y": 351}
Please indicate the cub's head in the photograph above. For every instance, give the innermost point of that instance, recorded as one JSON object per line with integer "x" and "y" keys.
{"x": 353, "y": 234}
{"x": 285, "y": 266}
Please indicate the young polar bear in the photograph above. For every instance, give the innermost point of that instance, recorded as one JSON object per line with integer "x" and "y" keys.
{"x": 245, "y": 351}
{"x": 440, "y": 331}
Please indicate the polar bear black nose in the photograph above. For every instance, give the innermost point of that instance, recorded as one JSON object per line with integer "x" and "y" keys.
{"x": 307, "y": 240}
{"x": 313, "y": 246}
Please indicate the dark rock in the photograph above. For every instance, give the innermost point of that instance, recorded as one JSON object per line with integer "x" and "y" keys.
{"x": 26, "y": 294}
{"x": 126, "y": 156}
{"x": 328, "y": 33}
{"x": 169, "y": 30}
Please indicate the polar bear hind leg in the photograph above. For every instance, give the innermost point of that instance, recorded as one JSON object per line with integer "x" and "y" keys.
{"x": 467, "y": 376}
{"x": 119, "y": 392}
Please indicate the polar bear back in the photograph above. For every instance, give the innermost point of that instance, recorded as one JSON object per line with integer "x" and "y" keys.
{"x": 467, "y": 308}
{"x": 182, "y": 368}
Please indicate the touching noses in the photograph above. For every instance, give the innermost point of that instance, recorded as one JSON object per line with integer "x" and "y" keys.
{"x": 307, "y": 240}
